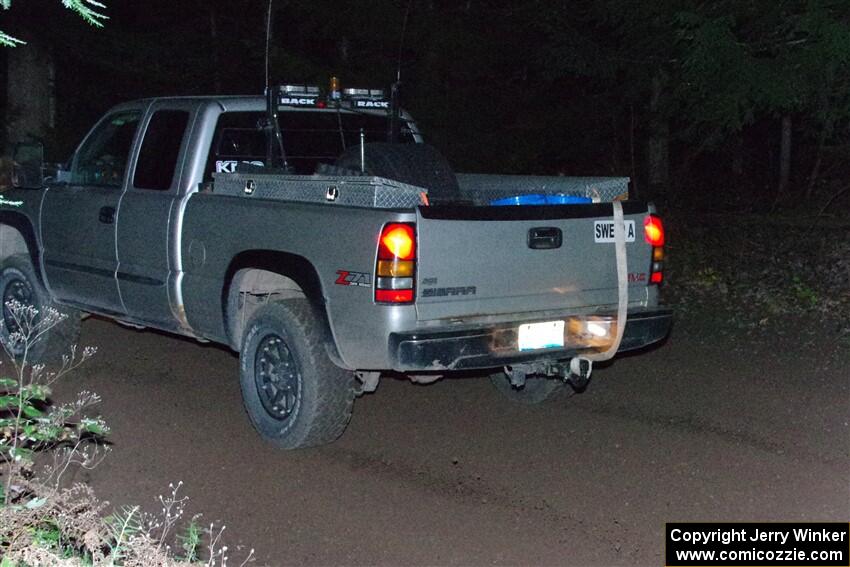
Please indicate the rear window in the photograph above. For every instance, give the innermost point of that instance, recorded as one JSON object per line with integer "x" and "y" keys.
{"x": 160, "y": 149}
{"x": 309, "y": 138}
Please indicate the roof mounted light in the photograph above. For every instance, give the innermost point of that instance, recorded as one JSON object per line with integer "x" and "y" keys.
{"x": 298, "y": 95}
{"x": 308, "y": 90}
{"x": 364, "y": 93}
{"x": 333, "y": 92}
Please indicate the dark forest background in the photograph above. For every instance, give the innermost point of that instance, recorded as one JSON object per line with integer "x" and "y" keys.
{"x": 740, "y": 104}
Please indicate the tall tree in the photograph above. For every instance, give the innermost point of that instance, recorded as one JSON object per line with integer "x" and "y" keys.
{"x": 89, "y": 10}
{"x": 31, "y": 77}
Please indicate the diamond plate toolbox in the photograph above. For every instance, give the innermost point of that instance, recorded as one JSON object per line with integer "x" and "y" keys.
{"x": 355, "y": 191}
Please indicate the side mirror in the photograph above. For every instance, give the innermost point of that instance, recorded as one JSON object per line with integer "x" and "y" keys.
{"x": 28, "y": 161}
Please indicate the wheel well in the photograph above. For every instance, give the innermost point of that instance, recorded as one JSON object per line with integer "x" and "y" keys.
{"x": 258, "y": 276}
{"x": 17, "y": 237}
{"x": 11, "y": 242}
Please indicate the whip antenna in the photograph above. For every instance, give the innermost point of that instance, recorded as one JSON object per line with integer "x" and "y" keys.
{"x": 274, "y": 136}
{"x": 401, "y": 41}
{"x": 395, "y": 105}
{"x": 268, "y": 39}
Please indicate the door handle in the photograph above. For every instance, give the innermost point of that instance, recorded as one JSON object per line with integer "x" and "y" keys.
{"x": 107, "y": 215}
{"x": 545, "y": 238}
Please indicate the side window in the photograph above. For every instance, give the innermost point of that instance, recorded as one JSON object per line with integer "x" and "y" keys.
{"x": 102, "y": 159}
{"x": 160, "y": 149}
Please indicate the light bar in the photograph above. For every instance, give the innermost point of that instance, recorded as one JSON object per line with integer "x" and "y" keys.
{"x": 303, "y": 90}
{"x": 363, "y": 93}
{"x": 298, "y": 95}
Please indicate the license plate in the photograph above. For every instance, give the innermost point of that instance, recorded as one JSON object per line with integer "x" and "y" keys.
{"x": 603, "y": 231}
{"x": 534, "y": 336}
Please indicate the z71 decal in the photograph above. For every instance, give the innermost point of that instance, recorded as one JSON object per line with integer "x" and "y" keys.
{"x": 359, "y": 279}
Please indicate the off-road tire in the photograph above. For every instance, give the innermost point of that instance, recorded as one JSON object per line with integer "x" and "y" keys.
{"x": 537, "y": 389}
{"x": 318, "y": 395}
{"x": 19, "y": 281}
{"x": 416, "y": 164}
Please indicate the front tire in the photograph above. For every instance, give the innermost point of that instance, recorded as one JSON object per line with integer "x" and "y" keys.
{"x": 294, "y": 395}
{"x": 18, "y": 281}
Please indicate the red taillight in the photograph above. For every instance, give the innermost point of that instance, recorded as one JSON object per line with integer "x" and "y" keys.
{"x": 653, "y": 230}
{"x": 395, "y": 270}
{"x": 394, "y": 295}
{"x": 398, "y": 242}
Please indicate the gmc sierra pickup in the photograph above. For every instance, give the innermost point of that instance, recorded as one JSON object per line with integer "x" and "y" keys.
{"x": 355, "y": 257}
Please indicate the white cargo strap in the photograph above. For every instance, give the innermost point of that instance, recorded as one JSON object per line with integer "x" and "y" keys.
{"x": 622, "y": 295}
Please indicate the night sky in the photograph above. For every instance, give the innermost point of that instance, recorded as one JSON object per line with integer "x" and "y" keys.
{"x": 542, "y": 87}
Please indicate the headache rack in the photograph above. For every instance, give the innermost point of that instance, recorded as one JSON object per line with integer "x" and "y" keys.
{"x": 357, "y": 100}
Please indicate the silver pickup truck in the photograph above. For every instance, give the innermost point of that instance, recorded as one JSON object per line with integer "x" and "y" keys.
{"x": 358, "y": 258}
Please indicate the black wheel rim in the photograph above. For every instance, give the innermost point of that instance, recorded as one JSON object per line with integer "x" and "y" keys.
{"x": 277, "y": 377}
{"x": 16, "y": 290}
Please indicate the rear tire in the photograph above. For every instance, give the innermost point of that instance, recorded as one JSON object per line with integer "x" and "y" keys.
{"x": 537, "y": 389}
{"x": 18, "y": 281}
{"x": 294, "y": 395}
{"x": 416, "y": 164}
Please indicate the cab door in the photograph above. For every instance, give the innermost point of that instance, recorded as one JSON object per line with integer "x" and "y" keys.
{"x": 148, "y": 229}
{"x": 78, "y": 219}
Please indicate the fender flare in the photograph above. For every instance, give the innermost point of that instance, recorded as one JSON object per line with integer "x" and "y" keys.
{"x": 24, "y": 226}
{"x": 292, "y": 266}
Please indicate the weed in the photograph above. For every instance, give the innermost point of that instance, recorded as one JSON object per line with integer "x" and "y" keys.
{"x": 29, "y": 423}
{"x": 804, "y": 293}
{"x": 43, "y": 524}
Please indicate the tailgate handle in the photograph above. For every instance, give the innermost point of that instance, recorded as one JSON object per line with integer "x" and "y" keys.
{"x": 544, "y": 238}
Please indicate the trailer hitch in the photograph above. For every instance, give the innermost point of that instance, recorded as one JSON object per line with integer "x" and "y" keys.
{"x": 579, "y": 373}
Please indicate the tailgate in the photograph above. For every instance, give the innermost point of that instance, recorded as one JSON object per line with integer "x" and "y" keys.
{"x": 479, "y": 261}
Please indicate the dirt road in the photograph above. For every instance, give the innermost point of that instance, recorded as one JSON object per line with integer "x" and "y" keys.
{"x": 699, "y": 429}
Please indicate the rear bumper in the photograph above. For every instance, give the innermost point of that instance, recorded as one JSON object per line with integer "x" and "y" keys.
{"x": 494, "y": 346}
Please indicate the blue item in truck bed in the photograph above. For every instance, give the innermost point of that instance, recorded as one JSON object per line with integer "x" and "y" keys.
{"x": 530, "y": 199}
{"x": 540, "y": 199}
{"x": 561, "y": 199}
